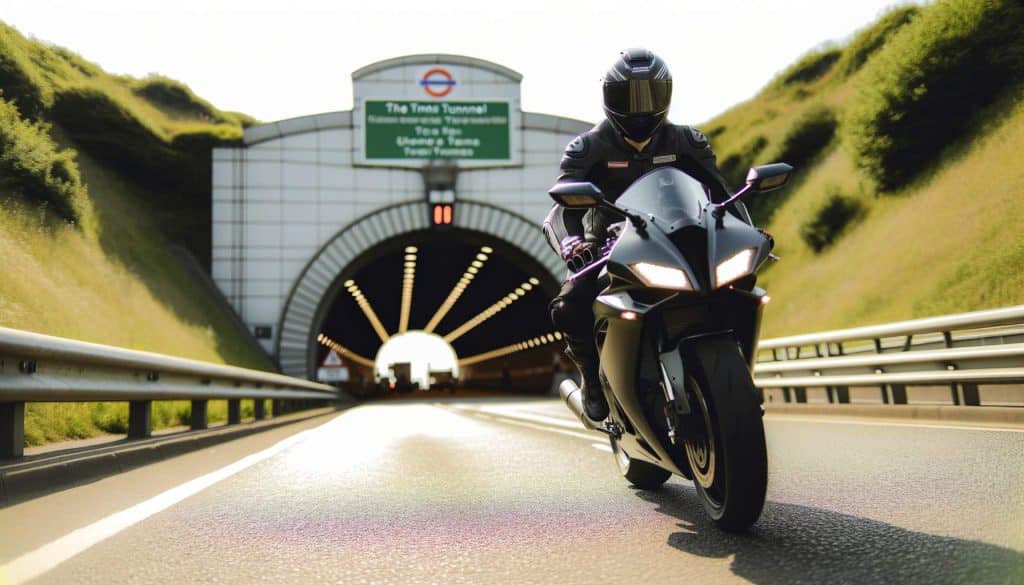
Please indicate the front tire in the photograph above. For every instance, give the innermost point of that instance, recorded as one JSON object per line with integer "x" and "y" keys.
{"x": 730, "y": 460}
{"x": 640, "y": 474}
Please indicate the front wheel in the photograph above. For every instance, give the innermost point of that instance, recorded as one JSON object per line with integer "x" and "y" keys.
{"x": 639, "y": 473}
{"x": 729, "y": 460}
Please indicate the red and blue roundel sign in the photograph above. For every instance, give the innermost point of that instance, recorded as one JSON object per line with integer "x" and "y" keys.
{"x": 437, "y": 82}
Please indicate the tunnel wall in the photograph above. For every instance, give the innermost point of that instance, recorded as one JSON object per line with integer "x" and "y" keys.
{"x": 282, "y": 200}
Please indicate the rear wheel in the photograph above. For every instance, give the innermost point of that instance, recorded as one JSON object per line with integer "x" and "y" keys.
{"x": 729, "y": 461}
{"x": 639, "y": 473}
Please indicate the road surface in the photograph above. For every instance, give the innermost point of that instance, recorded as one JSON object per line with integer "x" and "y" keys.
{"x": 514, "y": 491}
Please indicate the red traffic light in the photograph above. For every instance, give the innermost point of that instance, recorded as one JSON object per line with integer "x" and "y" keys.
{"x": 442, "y": 214}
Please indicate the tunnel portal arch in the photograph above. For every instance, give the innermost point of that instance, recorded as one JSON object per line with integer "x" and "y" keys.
{"x": 299, "y": 199}
{"x": 320, "y": 278}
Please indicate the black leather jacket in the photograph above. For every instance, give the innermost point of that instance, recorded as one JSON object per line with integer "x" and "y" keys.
{"x": 602, "y": 157}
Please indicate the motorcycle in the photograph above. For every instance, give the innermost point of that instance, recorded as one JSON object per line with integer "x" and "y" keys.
{"x": 676, "y": 326}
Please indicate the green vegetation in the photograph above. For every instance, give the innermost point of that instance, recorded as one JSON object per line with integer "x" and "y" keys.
{"x": 872, "y": 38}
{"x": 100, "y": 176}
{"x": 809, "y": 68}
{"x": 32, "y": 166}
{"x": 906, "y": 202}
{"x": 922, "y": 91}
{"x": 46, "y": 423}
{"x": 829, "y": 220}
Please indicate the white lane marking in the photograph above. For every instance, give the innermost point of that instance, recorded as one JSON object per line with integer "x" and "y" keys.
{"x": 32, "y": 564}
{"x": 874, "y": 423}
{"x": 602, "y": 447}
{"x": 567, "y": 423}
{"x": 540, "y": 427}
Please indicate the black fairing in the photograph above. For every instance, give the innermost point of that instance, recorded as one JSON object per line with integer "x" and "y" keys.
{"x": 682, "y": 232}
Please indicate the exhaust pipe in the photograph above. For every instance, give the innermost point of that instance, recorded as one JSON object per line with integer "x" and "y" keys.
{"x": 573, "y": 398}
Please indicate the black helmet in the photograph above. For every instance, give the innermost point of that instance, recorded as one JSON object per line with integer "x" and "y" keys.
{"x": 637, "y": 92}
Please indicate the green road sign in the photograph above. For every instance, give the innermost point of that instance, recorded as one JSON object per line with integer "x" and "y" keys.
{"x": 397, "y": 129}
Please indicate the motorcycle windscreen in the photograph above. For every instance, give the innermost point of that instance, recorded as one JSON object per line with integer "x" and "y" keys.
{"x": 669, "y": 194}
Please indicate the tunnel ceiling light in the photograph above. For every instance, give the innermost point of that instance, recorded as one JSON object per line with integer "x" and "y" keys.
{"x": 510, "y": 349}
{"x": 487, "y": 249}
{"x": 483, "y": 316}
{"x": 371, "y": 315}
{"x": 457, "y": 291}
{"x": 344, "y": 351}
{"x": 407, "y": 289}
{"x": 534, "y": 281}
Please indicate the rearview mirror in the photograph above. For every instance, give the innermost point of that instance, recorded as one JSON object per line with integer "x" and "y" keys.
{"x": 579, "y": 195}
{"x": 768, "y": 177}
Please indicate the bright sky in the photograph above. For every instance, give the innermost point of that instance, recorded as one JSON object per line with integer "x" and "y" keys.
{"x": 276, "y": 60}
{"x": 425, "y": 351}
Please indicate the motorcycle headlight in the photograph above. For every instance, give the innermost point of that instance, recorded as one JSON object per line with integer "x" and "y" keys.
{"x": 736, "y": 266}
{"x": 662, "y": 276}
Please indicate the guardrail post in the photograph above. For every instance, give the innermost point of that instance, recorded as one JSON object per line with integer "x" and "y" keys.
{"x": 140, "y": 419}
{"x": 234, "y": 411}
{"x": 899, "y": 393}
{"x": 971, "y": 395}
{"x": 259, "y": 409}
{"x": 198, "y": 419}
{"x": 842, "y": 394}
{"x": 12, "y": 429}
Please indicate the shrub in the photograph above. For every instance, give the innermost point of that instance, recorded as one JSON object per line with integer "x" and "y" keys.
{"x": 829, "y": 220}
{"x": 807, "y": 137}
{"x": 735, "y": 166}
{"x": 19, "y": 79}
{"x": 110, "y": 417}
{"x": 176, "y": 98}
{"x": 200, "y": 139}
{"x": 810, "y": 67}
{"x": 715, "y": 131}
{"x": 245, "y": 120}
{"x": 32, "y": 166}
{"x": 872, "y": 38}
{"x": 109, "y": 129}
{"x": 921, "y": 90}
{"x": 75, "y": 61}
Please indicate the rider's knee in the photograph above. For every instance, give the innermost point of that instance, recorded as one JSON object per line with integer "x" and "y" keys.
{"x": 569, "y": 316}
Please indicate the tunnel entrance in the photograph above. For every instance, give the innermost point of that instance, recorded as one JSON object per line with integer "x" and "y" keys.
{"x": 483, "y": 297}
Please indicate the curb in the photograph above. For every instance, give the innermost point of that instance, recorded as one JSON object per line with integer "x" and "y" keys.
{"x": 992, "y": 415}
{"x": 48, "y": 473}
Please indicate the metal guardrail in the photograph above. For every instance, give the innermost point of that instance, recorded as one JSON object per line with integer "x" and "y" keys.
{"x": 959, "y": 351}
{"x": 41, "y": 368}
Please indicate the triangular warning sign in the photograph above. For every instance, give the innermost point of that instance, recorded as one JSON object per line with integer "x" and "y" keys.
{"x": 333, "y": 360}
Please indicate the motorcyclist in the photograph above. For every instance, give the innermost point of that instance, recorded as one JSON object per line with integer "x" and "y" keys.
{"x": 634, "y": 138}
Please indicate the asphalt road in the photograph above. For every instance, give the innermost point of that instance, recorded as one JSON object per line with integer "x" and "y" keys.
{"x": 502, "y": 491}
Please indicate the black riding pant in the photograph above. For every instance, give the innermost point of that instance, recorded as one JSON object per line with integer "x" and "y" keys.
{"x": 572, "y": 313}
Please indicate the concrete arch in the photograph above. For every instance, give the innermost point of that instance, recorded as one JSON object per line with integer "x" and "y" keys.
{"x": 295, "y": 342}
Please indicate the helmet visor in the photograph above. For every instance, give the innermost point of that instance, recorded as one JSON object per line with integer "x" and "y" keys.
{"x": 638, "y": 96}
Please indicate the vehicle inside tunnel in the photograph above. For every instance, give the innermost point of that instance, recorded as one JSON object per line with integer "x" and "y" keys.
{"x": 483, "y": 297}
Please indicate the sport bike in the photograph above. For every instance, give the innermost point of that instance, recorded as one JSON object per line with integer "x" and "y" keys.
{"x": 676, "y": 325}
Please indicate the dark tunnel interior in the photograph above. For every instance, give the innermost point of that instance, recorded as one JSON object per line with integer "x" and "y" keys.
{"x": 442, "y": 258}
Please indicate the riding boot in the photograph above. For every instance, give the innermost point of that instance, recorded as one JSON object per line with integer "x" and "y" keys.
{"x": 584, "y": 355}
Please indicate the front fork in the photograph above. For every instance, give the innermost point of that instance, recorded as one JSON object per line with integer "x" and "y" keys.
{"x": 678, "y": 411}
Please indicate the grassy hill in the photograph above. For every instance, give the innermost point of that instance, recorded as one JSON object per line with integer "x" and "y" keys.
{"x": 99, "y": 175}
{"x": 907, "y": 200}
